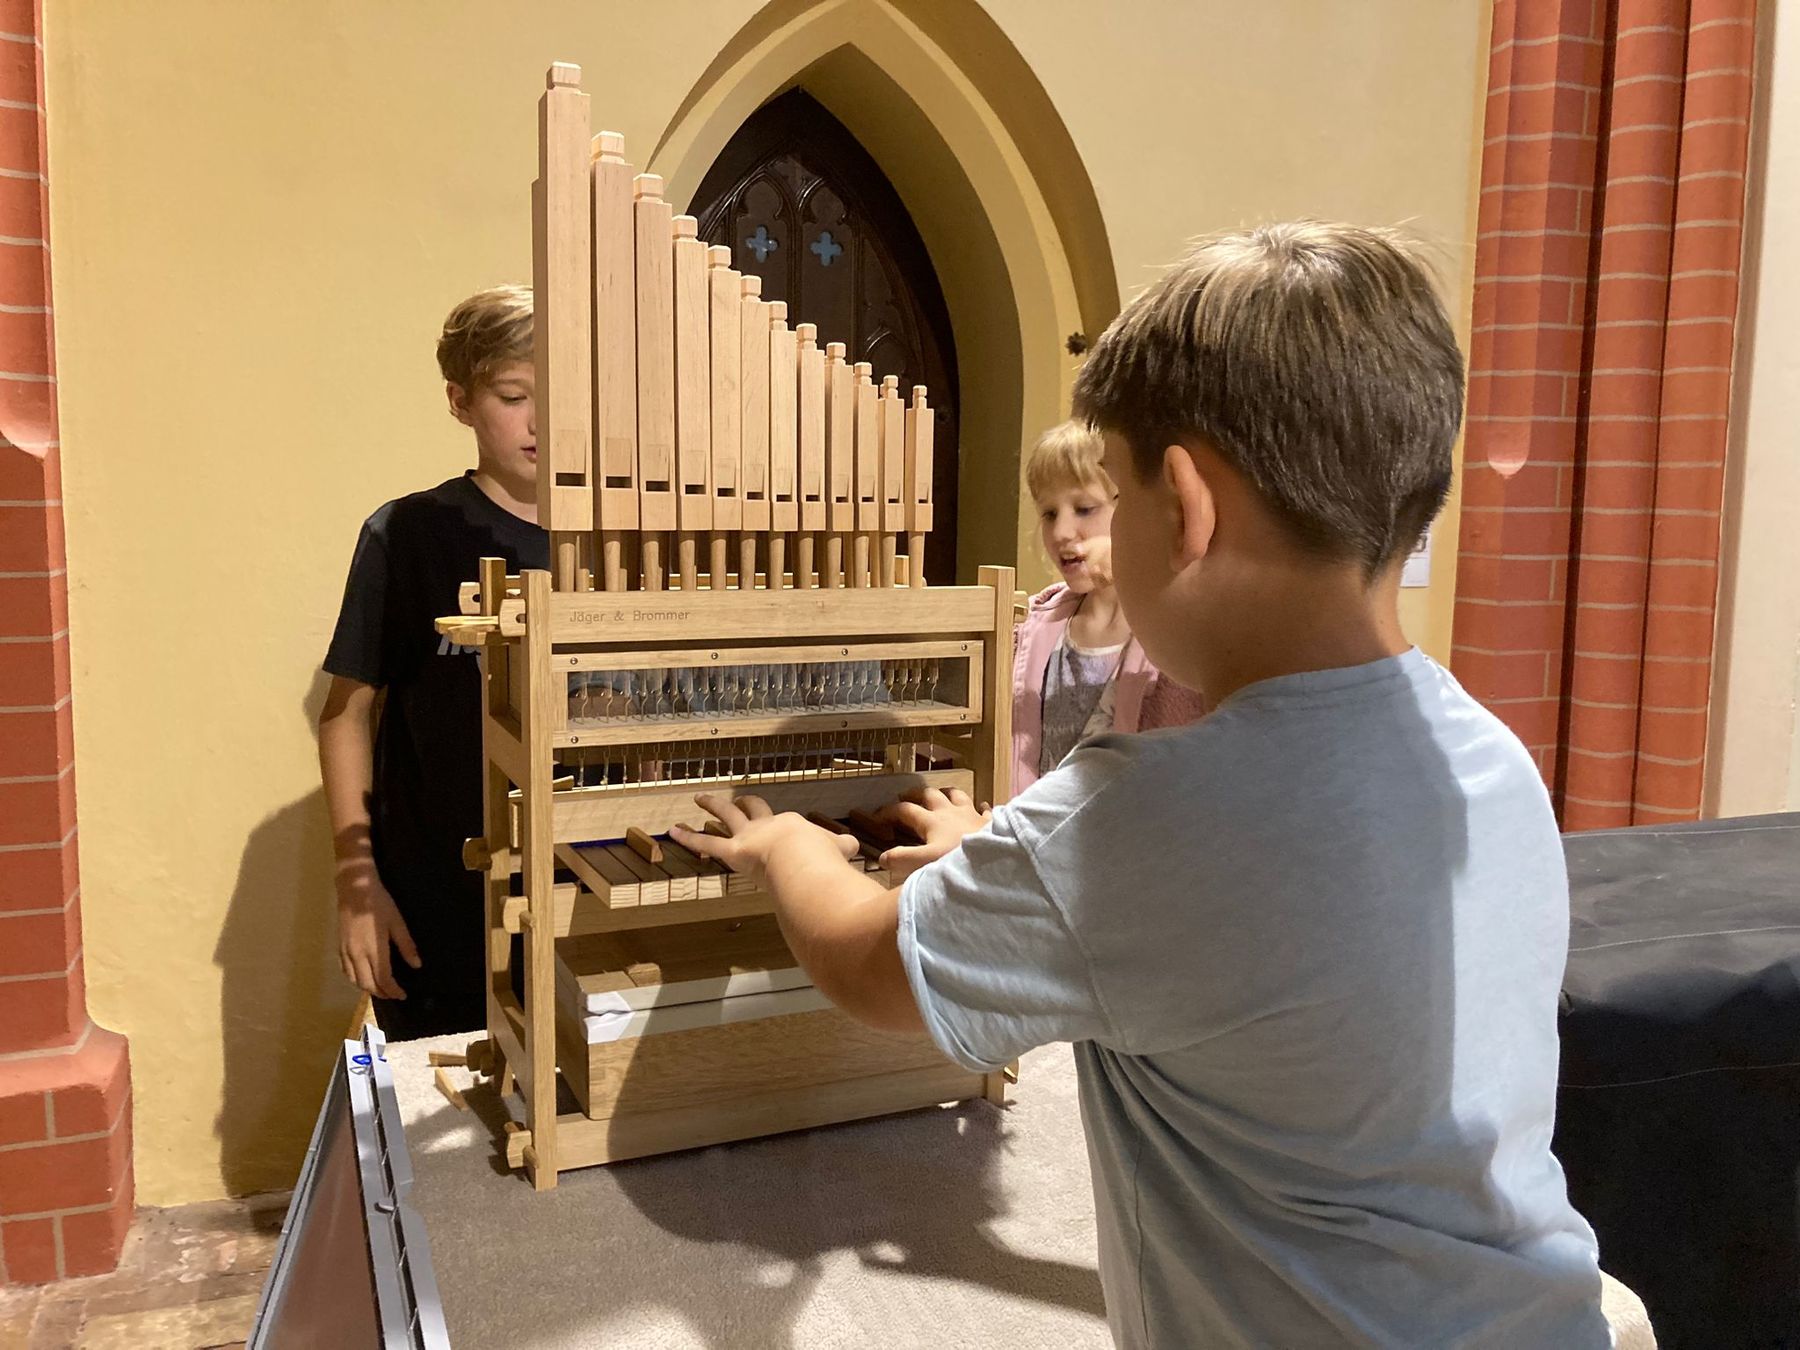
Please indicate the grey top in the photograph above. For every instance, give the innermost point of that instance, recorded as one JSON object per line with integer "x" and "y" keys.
{"x": 1308, "y": 951}
{"x": 1078, "y": 704}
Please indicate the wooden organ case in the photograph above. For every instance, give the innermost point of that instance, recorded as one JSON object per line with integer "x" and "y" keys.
{"x": 728, "y": 609}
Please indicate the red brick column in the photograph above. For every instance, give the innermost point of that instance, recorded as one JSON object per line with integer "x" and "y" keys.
{"x": 65, "y": 1084}
{"x": 1525, "y": 362}
{"x": 1605, "y": 303}
{"x": 1681, "y": 601}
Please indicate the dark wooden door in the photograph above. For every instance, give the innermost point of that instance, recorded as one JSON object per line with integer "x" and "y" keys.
{"x": 803, "y": 206}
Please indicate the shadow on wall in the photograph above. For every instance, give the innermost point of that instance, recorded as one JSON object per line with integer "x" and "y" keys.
{"x": 284, "y": 1005}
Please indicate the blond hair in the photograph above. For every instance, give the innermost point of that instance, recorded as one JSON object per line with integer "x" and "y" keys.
{"x": 1316, "y": 359}
{"x": 1066, "y": 456}
{"x": 490, "y": 329}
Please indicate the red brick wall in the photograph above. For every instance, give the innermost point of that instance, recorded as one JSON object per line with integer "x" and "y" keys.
{"x": 65, "y": 1086}
{"x": 1606, "y": 290}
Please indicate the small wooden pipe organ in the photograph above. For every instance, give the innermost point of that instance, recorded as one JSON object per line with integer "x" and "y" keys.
{"x": 728, "y": 609}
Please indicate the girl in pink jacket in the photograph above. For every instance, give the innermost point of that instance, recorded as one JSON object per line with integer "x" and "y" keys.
{"x": 1077, "y": 672}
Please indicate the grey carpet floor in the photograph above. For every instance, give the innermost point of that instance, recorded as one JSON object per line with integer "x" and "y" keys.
{"x": 951, "y": 1227}
{"x": 948, "y": 1227}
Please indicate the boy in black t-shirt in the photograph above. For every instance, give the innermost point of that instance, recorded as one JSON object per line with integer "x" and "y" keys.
{"x": 399, "y": 736}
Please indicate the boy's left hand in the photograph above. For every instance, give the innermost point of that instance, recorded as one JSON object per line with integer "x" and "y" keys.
{"x": 755, "y": 832}
{"x": 941, "y": 819}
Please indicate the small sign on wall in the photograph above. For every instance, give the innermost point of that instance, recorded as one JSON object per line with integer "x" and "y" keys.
{"x": 1416, "y": 571}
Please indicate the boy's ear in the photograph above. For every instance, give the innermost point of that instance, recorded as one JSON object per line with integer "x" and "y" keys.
{"x": 459, "y": 402}
{"x": 1196, "y": 514}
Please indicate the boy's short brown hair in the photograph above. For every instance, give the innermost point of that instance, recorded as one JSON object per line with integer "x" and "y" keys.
{"x": 490, "y": 329}
{"x": 1066, "y": 456}
{"x": 1317, "y": 359}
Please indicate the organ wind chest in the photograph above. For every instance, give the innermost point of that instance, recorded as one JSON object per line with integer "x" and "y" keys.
{"x": 730, "y": 608}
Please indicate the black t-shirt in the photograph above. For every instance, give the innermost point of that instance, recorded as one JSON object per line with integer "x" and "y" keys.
{"x": 411, "y": 558}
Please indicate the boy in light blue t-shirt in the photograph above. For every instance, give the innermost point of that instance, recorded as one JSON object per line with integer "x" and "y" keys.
{"x": 1308, "y": 950}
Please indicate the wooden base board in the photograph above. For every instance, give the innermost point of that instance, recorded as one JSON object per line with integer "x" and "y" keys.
{"x": 582, "y": 1142}
{"x": 714, "y": 1066}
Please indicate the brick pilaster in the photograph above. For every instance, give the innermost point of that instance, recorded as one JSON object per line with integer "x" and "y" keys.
{"x": 65, "y": 1084}
{"x": 1606, "y": 291}
{"x": 1525, "y": 358}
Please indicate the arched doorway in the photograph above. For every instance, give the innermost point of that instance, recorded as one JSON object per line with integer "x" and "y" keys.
{"x": 972, "y": 143}
{"x": 804, "y": 206}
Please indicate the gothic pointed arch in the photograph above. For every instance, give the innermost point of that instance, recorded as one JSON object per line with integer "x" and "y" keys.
{"x": 960, "y": 127}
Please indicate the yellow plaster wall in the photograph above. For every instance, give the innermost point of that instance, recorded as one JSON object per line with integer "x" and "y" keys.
{"x": 1753, "y": 745}
{"x": 259, "y": 214}
{"x": 1192, "y": 118}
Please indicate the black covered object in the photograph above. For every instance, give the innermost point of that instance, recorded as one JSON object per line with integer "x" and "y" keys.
{"x": 1678, "y": 1113}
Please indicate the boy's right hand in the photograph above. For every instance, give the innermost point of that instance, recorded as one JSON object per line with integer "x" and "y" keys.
{"x": 941, "y": 819}
{"x": 369, "y": 927}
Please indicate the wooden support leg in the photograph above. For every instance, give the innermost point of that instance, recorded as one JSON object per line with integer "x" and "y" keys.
{"x": 364, "y": 1014}
{"x": 538, "y": 836}
{"x": 994, "y": 1088}
{"x": 915, "y": 550}
{"x": 803, "y": 563}
{"x": 834, "y": 561}
{"x": 859, "y": 563}
{"x": 516, "y": 1141}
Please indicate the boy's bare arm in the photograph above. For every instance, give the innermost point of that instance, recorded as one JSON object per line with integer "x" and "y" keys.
{"x": 368, "y": 919}
{"x": 842, "y": 927}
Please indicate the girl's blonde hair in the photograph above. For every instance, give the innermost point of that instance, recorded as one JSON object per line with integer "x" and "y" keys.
{"x": 1066, "y": 456}
{"x": 490, "y": 329}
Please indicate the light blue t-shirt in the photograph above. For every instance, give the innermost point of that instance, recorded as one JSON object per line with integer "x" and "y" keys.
{"x": 1309, "y": 952}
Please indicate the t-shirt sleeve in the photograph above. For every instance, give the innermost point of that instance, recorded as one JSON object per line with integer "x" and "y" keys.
{"x": 358, "y": 648}
{"x": 994, "y": 965}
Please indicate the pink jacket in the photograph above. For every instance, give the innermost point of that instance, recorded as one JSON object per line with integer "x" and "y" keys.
{"x": 1143, "y": 697}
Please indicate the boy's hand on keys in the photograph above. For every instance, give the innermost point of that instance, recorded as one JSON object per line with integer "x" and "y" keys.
{"x": 753, "y": 833}
{"x": 369, "y": 927}
{"x": 941, "y": 819}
